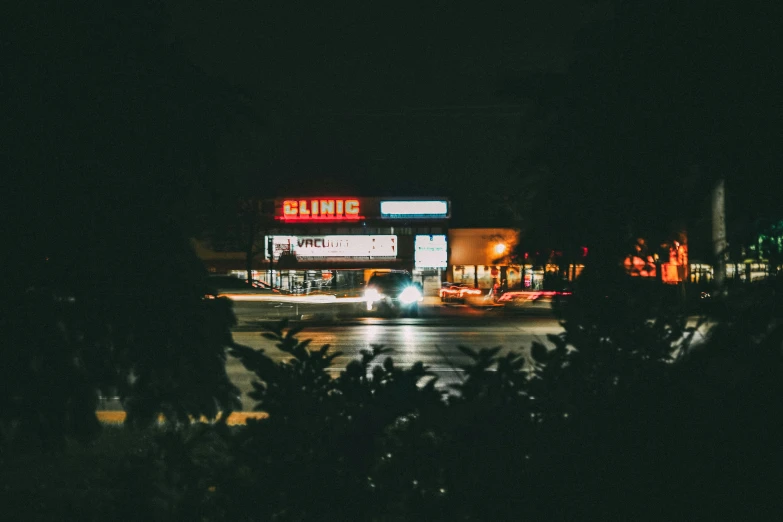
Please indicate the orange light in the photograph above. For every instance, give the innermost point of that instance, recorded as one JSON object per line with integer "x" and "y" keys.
{"x": 532, "y": 295}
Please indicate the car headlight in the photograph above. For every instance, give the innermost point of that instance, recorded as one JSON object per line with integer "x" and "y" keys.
{"x": 410, "y": 295}
{"x": 371, "y": 295}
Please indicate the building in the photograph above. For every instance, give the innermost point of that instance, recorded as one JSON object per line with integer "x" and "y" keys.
{"x": 335, "y": 243}
{"x": 482, "y": 256}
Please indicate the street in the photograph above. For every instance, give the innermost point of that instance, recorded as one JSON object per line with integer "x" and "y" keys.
{"x": 432, "y": 338}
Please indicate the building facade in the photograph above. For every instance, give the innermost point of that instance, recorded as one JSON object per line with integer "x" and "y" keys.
{"x": 334, "y": 244}
{"x": 482, "y": 257}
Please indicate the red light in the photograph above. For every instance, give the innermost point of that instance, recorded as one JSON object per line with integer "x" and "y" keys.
{"x": 531, "y": 295}
{"x": 319, "y": 219}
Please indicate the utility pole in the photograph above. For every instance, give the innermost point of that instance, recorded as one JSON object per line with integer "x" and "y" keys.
{"x": 270, "y": 251}
{"x": 719, "y": 231}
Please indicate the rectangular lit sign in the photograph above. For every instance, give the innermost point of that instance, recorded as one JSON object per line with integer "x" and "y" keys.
{"x": 384, "y": 246}
{"x": 431, "y": 252}
{"x": 415, "y": 209}
{"x": 321, "y": 209}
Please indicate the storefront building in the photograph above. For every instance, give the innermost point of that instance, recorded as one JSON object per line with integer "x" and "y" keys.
{"x": 482, "y": 257}
{"x": 333, "y": 244}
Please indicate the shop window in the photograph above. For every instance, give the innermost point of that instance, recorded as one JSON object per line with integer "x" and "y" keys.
{"x": 758, "y": 271}
{"x": 700, "y": 273}
{"x": 463, "y": 274}
{"x": 513, "y": 280}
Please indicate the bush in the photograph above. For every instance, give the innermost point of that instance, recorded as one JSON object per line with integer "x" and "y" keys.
{"x": 610, "y": 424}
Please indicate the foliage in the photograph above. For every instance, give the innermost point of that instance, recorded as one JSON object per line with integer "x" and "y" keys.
{"x": 321, "y": 426}
{"x": 654, "y": 108}
{"x": 606, "y": 422}
{"x": 107, "y": 145}
{"x": 621, "y": 414}
{"x": 768, "y": 243}
{"x": 71, "y": 339}
{"x": 239, "y": 225}
{"x": 618, "y": 415}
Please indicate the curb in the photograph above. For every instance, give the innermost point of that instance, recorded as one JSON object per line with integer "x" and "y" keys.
{"x": 237, "y": 418}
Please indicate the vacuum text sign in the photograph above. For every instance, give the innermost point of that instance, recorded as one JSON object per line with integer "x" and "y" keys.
{"x": 335, "y": 246}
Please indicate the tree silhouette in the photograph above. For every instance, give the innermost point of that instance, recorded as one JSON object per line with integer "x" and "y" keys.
{"x": 110, "y": 149}
{"x": 661, "y": 100}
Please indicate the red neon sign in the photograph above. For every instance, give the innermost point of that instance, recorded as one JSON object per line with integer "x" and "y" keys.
{"x": 321, "y": 210}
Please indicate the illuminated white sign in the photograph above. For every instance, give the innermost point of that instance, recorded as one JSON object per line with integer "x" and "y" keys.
{"x": 334, "y": 246}
{"x": 431, "y": 252}
{"x": 419, "y": 209}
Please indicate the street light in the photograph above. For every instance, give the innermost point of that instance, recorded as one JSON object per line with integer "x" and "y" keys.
{"x": 500, "y": 248}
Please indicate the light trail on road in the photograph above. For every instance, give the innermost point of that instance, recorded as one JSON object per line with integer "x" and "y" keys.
{"x": 410, "y": 340}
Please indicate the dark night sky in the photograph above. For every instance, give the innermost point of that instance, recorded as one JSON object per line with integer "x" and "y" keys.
{"x": 372, "y": 101}
{"x": 570, "y": 109}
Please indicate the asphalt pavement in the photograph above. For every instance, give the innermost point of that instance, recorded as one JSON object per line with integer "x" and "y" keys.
{"x": 433, "y": 342}
{"x": 432, "y": 338}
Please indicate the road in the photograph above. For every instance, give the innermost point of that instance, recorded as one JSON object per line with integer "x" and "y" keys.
{"x": 432, "y": 338}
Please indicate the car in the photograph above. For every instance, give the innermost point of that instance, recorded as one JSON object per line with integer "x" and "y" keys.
{"x": 446, "y": 290}
{"x": 458, "y": 292}
{"x": 229, "y": 285}
{"x": 393, "y": 293}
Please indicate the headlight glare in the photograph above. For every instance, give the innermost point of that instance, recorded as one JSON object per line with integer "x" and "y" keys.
{"x": 410, "y": 295}
{"x": 371, "y": 295}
